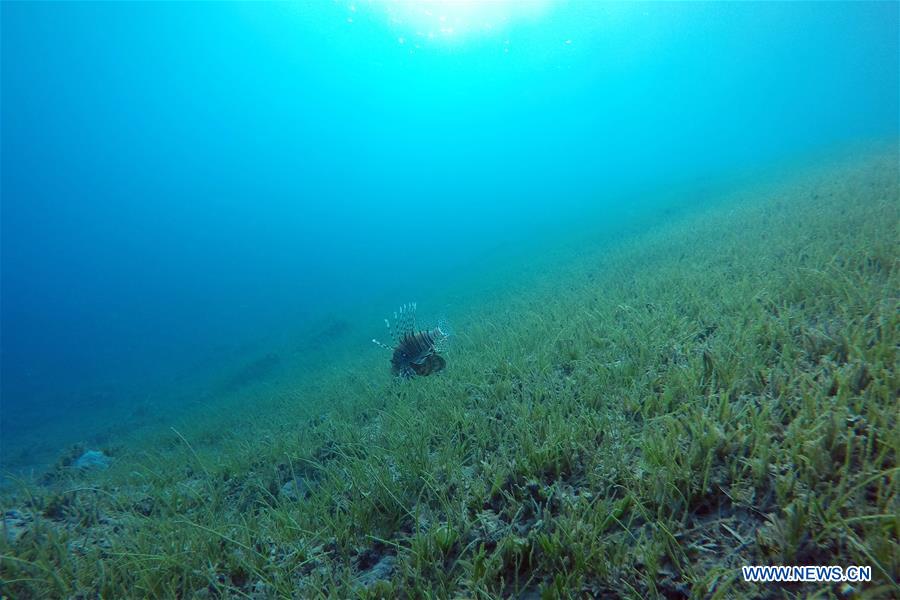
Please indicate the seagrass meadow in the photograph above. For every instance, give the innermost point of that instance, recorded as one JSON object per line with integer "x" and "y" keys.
{"x": 632, "y": 417}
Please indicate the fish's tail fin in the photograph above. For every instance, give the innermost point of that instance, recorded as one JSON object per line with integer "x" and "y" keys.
{"x": 442, "y": 334}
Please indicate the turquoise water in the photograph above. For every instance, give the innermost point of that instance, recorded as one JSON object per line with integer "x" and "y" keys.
{"x": 187, "y": 186}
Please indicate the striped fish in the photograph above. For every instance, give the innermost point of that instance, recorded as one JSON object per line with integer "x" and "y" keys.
{"x": 414, "y": 352}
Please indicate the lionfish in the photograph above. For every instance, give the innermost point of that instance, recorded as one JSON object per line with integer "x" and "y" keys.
{"x": 415, "y": 352}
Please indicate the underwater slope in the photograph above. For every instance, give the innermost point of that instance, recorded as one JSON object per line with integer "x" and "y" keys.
{"x": 715, "y": 392}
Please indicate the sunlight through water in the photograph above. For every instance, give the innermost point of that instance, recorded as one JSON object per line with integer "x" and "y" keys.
{"x": 418, "y": 21}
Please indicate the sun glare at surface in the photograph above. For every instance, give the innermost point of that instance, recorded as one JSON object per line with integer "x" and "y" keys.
{"x": 421, "y": 20}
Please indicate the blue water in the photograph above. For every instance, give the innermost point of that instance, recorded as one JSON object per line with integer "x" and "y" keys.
{"x": 182, "y": 184}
